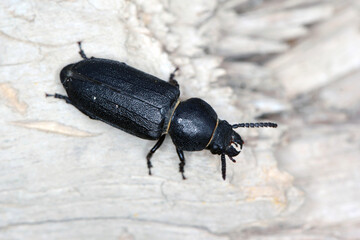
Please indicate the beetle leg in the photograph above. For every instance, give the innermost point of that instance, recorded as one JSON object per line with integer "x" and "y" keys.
{"x": 223, "y": 166}
{"x": 182, "y": 162}
{"x": 59, "y": 96}
{"x": 81, "y": 52}
{"x": 149, "y": 155}
{"x": 172, "y": 80}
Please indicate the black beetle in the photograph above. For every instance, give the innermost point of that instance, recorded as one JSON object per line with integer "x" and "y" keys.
{"x": 145, "y": 106}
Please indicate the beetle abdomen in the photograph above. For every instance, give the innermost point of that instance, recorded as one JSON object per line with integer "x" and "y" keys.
{"x": 120, "y": 95}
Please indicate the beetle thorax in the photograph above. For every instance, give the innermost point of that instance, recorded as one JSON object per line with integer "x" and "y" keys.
{"x": 192, "y": 125}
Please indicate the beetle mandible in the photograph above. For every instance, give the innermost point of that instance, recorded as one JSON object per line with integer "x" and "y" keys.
{"x": 148, "y": 107}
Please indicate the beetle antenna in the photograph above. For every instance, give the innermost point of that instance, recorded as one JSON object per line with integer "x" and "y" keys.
{"x": 255, "y": 125}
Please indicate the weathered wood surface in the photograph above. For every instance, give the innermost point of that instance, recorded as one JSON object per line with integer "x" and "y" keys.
{"x": 64, "y": 176}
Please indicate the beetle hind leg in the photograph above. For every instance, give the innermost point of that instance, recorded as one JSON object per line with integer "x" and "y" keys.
{"x": 59, "y": 96}
{"x": 182, "y": 162}
{"x": 172, "y": 80}
{"x": 152, "y": 151}
{"x": 82, "y": 53}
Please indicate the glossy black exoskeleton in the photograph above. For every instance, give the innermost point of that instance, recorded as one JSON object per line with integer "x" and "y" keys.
{"x": 145, "y": 106}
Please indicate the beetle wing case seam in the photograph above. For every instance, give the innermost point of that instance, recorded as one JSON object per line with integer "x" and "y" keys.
{"x": 170, "y": 117}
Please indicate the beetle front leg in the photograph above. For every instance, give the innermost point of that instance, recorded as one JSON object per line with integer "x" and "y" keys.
{"x": 172, "y": 80}
{"x": 182, "y": 162}
{"x": 59, "y": 96}
{"x": 152, "y": 151}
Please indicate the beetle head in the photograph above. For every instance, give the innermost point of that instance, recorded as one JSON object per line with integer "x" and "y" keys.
{"x": 235, "y": 145}
{"x": 226, "y": 141}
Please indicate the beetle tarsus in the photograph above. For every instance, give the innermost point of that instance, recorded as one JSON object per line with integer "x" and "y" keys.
{"x": 183, "y": 176}
{"x": 81, "y": 52}
{"x": 223, "y": 166}
{"x": 172, "y": 80}
{"x": 148, "y": 160}
{"x": 153, "y": 150}
{"x": 59, "y": 96}
{"x": 149, "y": 163}
{"x": 182, "y": 162}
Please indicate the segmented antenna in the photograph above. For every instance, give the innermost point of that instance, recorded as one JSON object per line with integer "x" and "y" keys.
{"x": 255, "y": 125}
